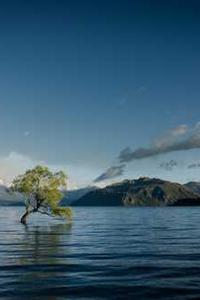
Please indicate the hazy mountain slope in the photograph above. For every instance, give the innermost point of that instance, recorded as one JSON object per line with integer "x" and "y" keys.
{"x": 193, "y": 186}
{"x": 73, "y": 195}
{"x": 8, "y": 198}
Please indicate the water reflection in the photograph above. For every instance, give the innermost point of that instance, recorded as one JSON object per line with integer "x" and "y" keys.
{"x": 46, "y": 243}
{"x": 142, "y": 253}
{"x": 43, "y": 255}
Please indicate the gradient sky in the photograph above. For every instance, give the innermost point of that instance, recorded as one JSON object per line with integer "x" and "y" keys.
{"x": 81, "y": 80}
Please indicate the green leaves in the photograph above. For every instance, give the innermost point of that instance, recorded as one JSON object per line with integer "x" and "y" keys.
{"x": 64, "y": 212}
{"x": 42, "y": 189}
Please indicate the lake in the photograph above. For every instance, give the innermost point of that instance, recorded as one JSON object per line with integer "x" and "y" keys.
{"x": 107, "y": 253}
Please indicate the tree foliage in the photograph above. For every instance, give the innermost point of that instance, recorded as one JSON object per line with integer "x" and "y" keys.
{"x": 41, "y": 188}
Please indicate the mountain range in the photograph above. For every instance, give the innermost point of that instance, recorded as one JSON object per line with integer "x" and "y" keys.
{"x": 8, "y": 198}
{"x": 73, "y": 195}
{"x": 144, "y": 191}
{"x": 193, "y": 186}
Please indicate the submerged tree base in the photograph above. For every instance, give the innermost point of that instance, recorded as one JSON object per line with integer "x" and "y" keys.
{"x": 62, "y": 212}
{"x": 24, "y": 218}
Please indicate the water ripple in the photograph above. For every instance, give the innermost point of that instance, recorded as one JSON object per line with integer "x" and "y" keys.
{"x": 107, "y": 253}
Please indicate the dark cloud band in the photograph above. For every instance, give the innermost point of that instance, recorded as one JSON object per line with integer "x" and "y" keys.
{"x": 190, "y": 142}
{"x": 111, "y": 172}
{"x": 180, "y": 138}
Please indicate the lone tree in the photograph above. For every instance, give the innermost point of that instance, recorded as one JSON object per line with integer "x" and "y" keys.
{"x": 41, "y": 189}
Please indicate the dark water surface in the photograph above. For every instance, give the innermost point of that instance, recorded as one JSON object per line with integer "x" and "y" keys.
{"x": 107, "y": 253}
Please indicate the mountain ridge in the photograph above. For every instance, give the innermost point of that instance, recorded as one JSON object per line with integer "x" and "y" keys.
{"x": 144, "y": 191}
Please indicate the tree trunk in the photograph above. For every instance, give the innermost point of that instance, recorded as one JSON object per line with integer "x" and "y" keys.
{"x": 24, "y": 217}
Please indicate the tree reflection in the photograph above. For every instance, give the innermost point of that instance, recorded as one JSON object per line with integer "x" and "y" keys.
{"x": 44, "y": 256}
{"x": 46, "y": 243}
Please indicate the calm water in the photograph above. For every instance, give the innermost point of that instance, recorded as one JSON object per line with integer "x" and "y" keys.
{"x": 107, "y": 253}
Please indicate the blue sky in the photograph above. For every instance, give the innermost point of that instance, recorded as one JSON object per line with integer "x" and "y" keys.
{"x": 82, "y": 80}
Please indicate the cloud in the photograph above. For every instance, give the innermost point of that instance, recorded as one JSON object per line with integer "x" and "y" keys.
{"x": 15, "y": 163}
{"x": 169, "y": 166}
{"x": 171, "y": 135}
{"x": 178, "y": 139}
{"x": 140, "y": 91}
{"x": 26, "y": 133}
{"x": 179, "y": 130}
{"x": 111, "y": 172}
{"x": 194, "y": 165}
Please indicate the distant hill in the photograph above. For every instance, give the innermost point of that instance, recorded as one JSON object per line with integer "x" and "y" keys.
{"x": 193, "y": 186}
{"x": 73, "y": 195}
{"x": 7, "y": 198}
{"x": 141, "y": 192}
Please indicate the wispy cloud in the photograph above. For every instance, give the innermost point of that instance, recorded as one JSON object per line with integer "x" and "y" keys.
{"x": 194, "y": 165}
{"x": 15, "y": 163}
{"x": 169, "y": 165}
{"x": 26, "y": 133}
{"x": 140, "y": 91}
{"x": 179, "y": 138}
{"x": 111, "y": 172}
